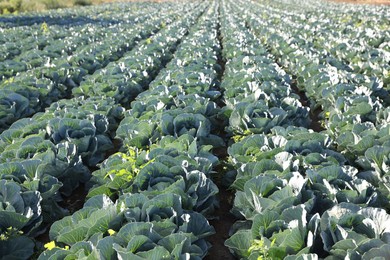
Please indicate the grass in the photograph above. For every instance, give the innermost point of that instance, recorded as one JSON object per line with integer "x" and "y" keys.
{"x": 16, "y": 6}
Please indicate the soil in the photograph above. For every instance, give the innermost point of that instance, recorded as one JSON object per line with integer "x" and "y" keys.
{"x": 315, "y": 118}
{"x": 72, "y": 203}
{"x": 224, "y": 219}
{"x": 315, "y": 124}
{"x": 75, "y": 201}
{"x": 222, "y": 225}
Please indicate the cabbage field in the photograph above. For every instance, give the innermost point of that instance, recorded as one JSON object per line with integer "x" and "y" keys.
{"x": 214, "y": 129}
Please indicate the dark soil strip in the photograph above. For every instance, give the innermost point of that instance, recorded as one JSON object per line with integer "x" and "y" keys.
{"x": 75, "y": 201}
{"x": 315, "y": 118}
{"x": 224, "y": 219}
{"x": 72, "y": 203}
{"x": 222, "y": 225}
{"x": 221, "y": 60}
{"x": 315, "y": 124}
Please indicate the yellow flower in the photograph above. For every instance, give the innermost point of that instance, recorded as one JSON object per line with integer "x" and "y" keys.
{"x": 50, "y": 245}
{"x": 66, "y": 248}
{"x": 237, "y": 138}
{"x": 44, "y": 28}
{"x": 111, "y": 232}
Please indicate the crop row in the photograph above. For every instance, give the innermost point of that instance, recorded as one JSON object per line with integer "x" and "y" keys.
{"x": 349, "y": 42}
{"x": 45, "y": 44}
{"x": 47, "y": 156}
{"x": 31, "y": 91}
{"x": 160, "y": 182}
{"x": 356, "y": 118}
{"x": 312, "y": 63}
{"x": 153, "y": 84}
{"x": 298, "y": 192}
{"x": 46, "y": 38}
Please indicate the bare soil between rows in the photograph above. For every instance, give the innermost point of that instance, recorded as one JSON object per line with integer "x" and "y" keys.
{"x": 222, "y": 225}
